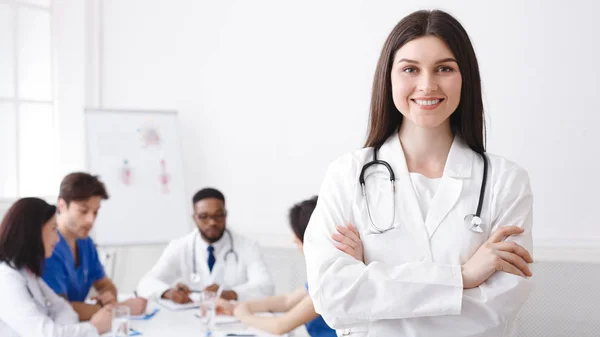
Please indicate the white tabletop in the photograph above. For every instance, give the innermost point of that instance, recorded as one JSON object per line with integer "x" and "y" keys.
{"x": 183, "y": 323}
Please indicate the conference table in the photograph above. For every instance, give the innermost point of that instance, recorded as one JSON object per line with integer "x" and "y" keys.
{"x": 182, "y": 323}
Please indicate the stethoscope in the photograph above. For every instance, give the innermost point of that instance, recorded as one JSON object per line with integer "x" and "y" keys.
{"x": 45, "y": 301}
{"x": 195, "y": 276}
{"x": 472, "y": 221}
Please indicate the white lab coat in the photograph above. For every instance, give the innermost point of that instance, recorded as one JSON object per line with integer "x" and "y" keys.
{"x": 249, "y": 277}
{"x": 411, "y": 283}
{"x": 24, "y": 311}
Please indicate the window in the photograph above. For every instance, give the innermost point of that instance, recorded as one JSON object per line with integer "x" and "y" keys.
{"x": 28, "y": 133}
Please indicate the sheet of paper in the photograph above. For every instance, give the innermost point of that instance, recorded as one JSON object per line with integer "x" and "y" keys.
{"x": 175, "y": 306}
{"x": 223, "y": 319}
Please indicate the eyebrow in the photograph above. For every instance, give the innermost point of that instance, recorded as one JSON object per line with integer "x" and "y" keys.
{"x": 448, "y": 59}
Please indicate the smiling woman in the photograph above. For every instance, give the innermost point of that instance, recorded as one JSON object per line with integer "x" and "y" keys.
{"x": 431, "y": 272}
{"x": 426, "y": 83}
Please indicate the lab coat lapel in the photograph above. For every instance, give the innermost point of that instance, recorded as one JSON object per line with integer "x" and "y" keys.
{"x": 201, "y": 261}
{"x": 218, "y": 269}
{"x": 34, "y": 289}
{"x": 444, "y": 199}
{"x": 458, "y": 165}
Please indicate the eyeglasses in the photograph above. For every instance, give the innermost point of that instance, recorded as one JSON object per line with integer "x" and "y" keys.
{"x": 205, "y": 218}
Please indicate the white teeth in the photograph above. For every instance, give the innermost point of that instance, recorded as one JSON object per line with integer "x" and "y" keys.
{"x": 427, "y": 102}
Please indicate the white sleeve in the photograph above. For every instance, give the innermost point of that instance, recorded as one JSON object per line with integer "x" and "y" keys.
{"x": 348, "y": 293}
{"x": 19, "y": 311}
{"x": 259, "y": 282}
{"x": 164, "y": 274}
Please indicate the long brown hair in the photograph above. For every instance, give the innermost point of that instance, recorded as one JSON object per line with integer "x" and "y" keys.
{"x": 21, "y": 243}
{"x": 468, "y": 120}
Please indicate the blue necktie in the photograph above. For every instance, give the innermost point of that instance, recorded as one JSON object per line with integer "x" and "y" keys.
{"x": 211, "y": 257}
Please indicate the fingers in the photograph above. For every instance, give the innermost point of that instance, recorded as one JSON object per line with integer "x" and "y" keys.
{"x": 183, "y": 287}
{"x": 224, "y": 307}
{"x": 516, "y": 261}
{"x": 350, "y": 233}
{"x": 503, "y": 232}
{"x": 108, "y": 297}
{"x": 342, "y": 240}
{"x": 348, "y": 241}
{"x": 346, "y": 249}
{"x": 181, "y": 298}
{"x": 509, "y": 268}
{"x": 105, "y": 298}
{"x": 346, "y": 237}
{"x": 138, "y": 304}
{"x": 185, "y": 298}
{"x": 352, "y": 228}
{"x": 212, "y": 287}
{"x": 514, "y": 248}
{"x": 177, "y": 296}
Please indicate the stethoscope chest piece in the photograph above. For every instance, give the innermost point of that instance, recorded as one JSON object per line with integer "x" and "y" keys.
{"x": 195, "y": 277}
{"x": 473, "y": 222}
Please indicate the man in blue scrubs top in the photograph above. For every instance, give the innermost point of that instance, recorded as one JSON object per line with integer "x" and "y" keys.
{"x": 74, "y": 267}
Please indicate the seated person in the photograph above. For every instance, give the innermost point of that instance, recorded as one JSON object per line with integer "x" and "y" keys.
{"x": 297, "y": 306}
{"x": 28, "y": 307}
{"x": 211, "y": 258}
{"x": 75, "y": 267}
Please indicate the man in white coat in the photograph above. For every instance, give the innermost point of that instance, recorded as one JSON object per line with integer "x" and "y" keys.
{"x": 210, "y": 258}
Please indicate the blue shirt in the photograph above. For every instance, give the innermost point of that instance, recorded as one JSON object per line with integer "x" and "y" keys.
{"x": 67, "y": 280}
{"x": 318, "y": 328}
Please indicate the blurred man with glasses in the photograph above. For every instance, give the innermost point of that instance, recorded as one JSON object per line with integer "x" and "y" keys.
{"x": 210, "y": 258}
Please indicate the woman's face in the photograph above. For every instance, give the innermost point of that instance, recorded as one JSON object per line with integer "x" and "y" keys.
{"x": 426, "y": 82}
{"x": 49, "y": 236}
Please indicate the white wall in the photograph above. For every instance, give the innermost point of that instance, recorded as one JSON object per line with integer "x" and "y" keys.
{"x": 269, "y": 92}
{"x": 69, "y": 39}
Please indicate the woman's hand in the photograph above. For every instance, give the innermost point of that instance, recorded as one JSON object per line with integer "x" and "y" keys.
{"x": 348, "y": 241}
{"x": 102, "y": 319}
{"x": 496, "y": 255}
{"x": 224, "y": 307}
{"x": 241, "y": 310}
{"x": 136, "y": 305}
